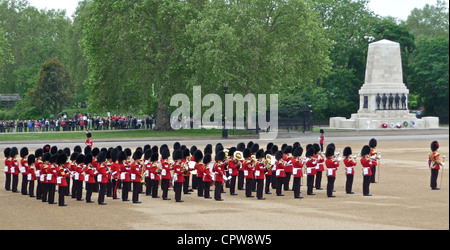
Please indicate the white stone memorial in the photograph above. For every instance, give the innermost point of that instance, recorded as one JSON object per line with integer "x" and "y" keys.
{"x": 383, "y": 97}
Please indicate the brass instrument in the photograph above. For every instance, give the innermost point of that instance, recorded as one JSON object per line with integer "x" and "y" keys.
{"x": 185, "y": 168}
{"x": 143, "y": 173}
{"x": 226, "y": 152}
{"x": 238, "y": 155}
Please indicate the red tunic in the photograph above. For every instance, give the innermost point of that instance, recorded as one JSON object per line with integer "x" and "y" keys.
{"x": 349, "y": 165}
{"x": 331, "y": 167}
{"x": 297, "y": 168}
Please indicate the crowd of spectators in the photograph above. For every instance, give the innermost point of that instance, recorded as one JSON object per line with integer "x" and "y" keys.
{"x": 78, "y": 122}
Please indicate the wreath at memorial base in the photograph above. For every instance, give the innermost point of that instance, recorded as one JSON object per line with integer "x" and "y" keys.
{"x": 398, "y": 125}
{"x": 384, "y": 125}
{"x": 405, "y": 124}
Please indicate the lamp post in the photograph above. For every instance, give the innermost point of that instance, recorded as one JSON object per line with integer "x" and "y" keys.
{"x": 224, "y": 130}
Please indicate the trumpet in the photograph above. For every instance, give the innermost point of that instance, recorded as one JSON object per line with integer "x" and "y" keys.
{"x": 238, "y": 155}
{"x": 143, "y": 173}
{"x": 270, "y": 159}
{"x": 226, "y": 152}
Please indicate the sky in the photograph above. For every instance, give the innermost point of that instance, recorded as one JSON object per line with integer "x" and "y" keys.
{"x": 396, "y": 8}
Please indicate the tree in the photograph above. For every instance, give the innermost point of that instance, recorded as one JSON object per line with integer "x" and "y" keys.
{"x": 430, "y": 21}
{"x": 5, "y": 51}
{"x": 54, "y": 87}
{"x": 431, "y": 75}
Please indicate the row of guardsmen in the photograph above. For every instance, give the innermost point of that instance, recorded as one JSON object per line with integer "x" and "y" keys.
{"x": 113, "y": 170}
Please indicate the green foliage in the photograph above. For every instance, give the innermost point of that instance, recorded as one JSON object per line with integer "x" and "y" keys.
{"x": 53, "y": 89}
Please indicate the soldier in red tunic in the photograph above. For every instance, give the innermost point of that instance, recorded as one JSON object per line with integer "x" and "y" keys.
{"x": 219, "y": 173}
{"x": 259, "y": 176}
{"x": 297, "y": 171}
{"x": 332, "y": 164}
{"x": 349, "y": 163}
{"x": 366, "y": 163}
{"x": 178, "y": 177}
{"x": 136, "y": 175}
{"x": 102, "y": 177}
{"x": 434, "y": 164}
{"x": 62, "y": 173}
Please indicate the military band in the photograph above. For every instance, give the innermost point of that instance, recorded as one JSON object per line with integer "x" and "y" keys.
{"x": 117, "y": 170}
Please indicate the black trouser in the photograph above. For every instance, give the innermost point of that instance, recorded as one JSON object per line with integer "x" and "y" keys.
{"x": 207, "y": 187}
{"x": 309, "y": 183}
{"x": 434, "y": 177}
{"x": 279, "y": 184}
{"x": 61, "y": 194}
{"x": 15, "y": 182}
{"x": 165, "y": 187}
{"x": 114, "y": 187}
{"x": 125, "y": 189}
{"x": 44, "y": 189}
{"x": 136, "y": 191}
{"x": 248, "y": 187}
{"x": 89, "y": 189}
{"x": 233, "y": 185}
{"x": 8, "y": 181}
{"x": 349, "y": 183}
{"x": 318, "y": 184}
{"x": 274, "y": 179}
{"x": 51, "y": 192}
{"x": 268, "y": 182}
{"x": 109, "y": 188}
{"x": 372, "y": 177}
{"x": 31, "y": 188}
{"x": 287, "y": 180}
{"x": 241, "y": 180}
{"x": 218, "y": 190}
{"x": 24, "y": 184}
{"x": 186, "y": 185}
{"x": 200, "y": 186}
{"x": 177, "y": 186}
{"x": 154, "y": 187}
{"x": 68, "y": 185}
{"x": 259, "y": 188}
{"x": 194, "y": 181}
{"x": 296, "y": 186}
{"x": 101, "y": 193}
{"x": 78, "y": 189}
{"x": 366, "y": 184}
{"x": 38, "y": 190}
{"x": 148, "y": 186}
{"x": 330, "y": 185}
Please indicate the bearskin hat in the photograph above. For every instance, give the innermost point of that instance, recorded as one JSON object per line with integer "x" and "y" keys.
{"x": 101, "y": 157}
{"x": 103, "y": 149}
{"x": 434, "y": 146}
{"x": 115, "y": 154}
{"x": 107, "y": 153}
{"x": 155, "y": 149}
{"x": 208, "y": 149}
{"x": 274, "y": 149}
{"x": 46, "y": 156}
{"x": 298, "y": 151}
{"x": 14, "y": 151}
{"x": 347, "y": 151}
{"x": 283, "y": 147}
{"x": 198, "y": 156}
{"x": 155, "y": 156}
{"x": 254, "y": 148}
{"x": 186, "y": 153}
{"x": 53, "y": 150}
{"x": 218, "y": 148}
{"x": 308, "y": 146}
{"x": 296, "y": 144}
{"x": 220, "y": 156}
{"x": 46, "y": 148}
{"x": 207, "y": 159}
{"x": 77, "y": 149}
{"x": 192, "y": 150}
{"x": 122, "y": 156}
{"x": 139, "y": 149}
{"x": 80, "y": 158}
{"x": 88, "y": 135}
{"x": 183, "y": 147}
{"x": 67, "y": 151}
{"x": 269, "y": 146}
{"x": 309, "y": 152}
{"x": 247, "y": 153}
{"x": 176, "y": 146}
{"x": 250, "y": 144}
{"x": 316, "y": 148}
{"x": 88, "y": 158}
{"x": 329, "y": 152}
{"x": 61, "y": 159}
{"x": 177, "y": 155}
{"x": 372, "y": 143}
{"x": 53, "y": 158}
{"x": 127, "y": 152}
{"x": 260, "y": 154}
{"x": 287, "y": 150}
{"x": 148, "y": 154}
{"x": 38, "y": 152}
{"x": 279, "y": 155}
{"x": 231, "y": 151}
{"x": 95, "y": 151}
{"x": 365, "y": 150}
{"x": 331, "y": 145}
{"x": 87, "y": 150}
{"x": 321, "y": 131}
{"x": 119, "y": 148}
{"x": 137, "y": 155}
{"x": 165, "y": 153}
{"x": 162, "y": 148}
{"x": 147, "y": 146}
{"x": 23, "y": 152}
{"x": 73, "y": 156}
{"x": 31, "y": 159}
{"x": 240, "y": 146}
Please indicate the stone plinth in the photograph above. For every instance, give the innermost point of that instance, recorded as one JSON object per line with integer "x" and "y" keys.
{"x": 383, "y": 96}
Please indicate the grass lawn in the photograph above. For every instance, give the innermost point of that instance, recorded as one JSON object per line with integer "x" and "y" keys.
{"x": 115, "y": 134}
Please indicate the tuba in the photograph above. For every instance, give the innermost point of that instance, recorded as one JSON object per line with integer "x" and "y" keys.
{"x": 238, "y": 155}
